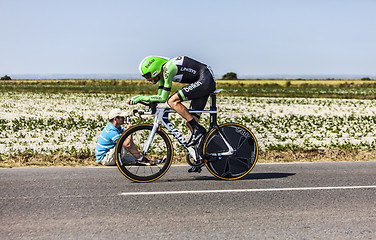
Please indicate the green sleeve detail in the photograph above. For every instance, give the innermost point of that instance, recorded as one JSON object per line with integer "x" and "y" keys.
{"x": 160, "y": 86}
{"x": 160, "y": 97}
{"x": 137, "y": 99}
{"x": 156, "y": 98}
{"x": 164, "y": 95}
{"x": 169, "y": 71}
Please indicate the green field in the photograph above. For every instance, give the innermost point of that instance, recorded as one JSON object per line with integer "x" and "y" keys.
{"x": 338, "y": 88}
{"x": 56, "y": 122}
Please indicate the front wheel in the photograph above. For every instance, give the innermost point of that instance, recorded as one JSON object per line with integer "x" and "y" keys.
{"x": 244, "y": 157}
{"x": 159, "y": 153}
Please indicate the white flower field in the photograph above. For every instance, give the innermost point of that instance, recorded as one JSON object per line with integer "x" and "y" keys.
{"x": 69, "y": 122}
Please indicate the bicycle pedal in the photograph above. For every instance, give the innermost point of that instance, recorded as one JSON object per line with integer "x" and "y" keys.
{"x": 138, "y": 163}
{"x": 159, "y": 161}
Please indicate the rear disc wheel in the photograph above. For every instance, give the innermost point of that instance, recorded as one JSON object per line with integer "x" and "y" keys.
{"x": 241, "y": 162}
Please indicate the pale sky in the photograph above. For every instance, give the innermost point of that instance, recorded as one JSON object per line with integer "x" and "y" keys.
{"x": 247, "y": 37}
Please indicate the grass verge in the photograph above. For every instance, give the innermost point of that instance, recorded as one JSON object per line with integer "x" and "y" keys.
{"x": 314, "y": 155}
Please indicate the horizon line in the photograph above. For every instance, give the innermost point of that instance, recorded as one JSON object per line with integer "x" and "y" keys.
{"x": 137, "y": 76}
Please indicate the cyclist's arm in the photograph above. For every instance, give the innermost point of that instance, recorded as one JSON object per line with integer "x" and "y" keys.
{"x": 163, "y": 91}
{"x": 165, "y": 84}
{"x": 164, "y": 87}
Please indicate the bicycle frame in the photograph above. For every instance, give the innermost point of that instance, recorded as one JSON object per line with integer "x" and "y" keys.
{"x": 161, "y": 116}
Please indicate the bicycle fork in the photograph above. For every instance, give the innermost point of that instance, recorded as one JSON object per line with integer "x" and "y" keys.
{"x": 158, "y": 116}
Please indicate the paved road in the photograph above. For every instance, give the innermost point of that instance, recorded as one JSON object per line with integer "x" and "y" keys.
{"x": 276, "y": 201}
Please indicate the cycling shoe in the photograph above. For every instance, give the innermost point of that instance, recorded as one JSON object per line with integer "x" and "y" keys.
{"x": 194, "y": 169}
{"x": 198, "y": 132}
{"x": 145, "y": 162}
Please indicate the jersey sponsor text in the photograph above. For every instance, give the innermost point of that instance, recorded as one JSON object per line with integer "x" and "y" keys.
{"x": 192, "y": 86}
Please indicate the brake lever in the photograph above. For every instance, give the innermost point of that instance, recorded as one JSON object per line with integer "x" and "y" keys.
{"x": 135, "y": 111}
{"x": 152, "y": 106}
{"x": 144, "y": 103}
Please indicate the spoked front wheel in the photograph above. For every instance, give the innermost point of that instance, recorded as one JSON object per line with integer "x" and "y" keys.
{"x": 159, "y": 154}
{"x": 244, "y": 157}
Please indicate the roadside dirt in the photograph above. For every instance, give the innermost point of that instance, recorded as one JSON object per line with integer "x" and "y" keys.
{"x": 32, "y": 160}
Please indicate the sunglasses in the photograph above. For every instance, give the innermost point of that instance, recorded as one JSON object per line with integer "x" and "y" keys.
{"x": 147, "y": 75}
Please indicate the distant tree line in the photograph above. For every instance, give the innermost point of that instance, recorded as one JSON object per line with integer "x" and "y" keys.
{"x": 6, "y": 77}
{"x": 230, "y": 76}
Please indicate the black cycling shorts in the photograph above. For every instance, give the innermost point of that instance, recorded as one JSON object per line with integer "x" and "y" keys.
{"x": 199, "y": 91}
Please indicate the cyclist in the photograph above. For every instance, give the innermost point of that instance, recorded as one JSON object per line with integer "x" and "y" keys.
{"x": 183, "y": 69}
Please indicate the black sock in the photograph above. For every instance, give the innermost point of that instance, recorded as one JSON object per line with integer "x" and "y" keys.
{"x": 193, "y": 123}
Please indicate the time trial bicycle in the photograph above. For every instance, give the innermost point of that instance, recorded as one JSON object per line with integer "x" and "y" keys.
{"x": 229, "y": 151}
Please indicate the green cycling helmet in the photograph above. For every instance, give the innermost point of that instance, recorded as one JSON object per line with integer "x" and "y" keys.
{"x": 151, "y": 66}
